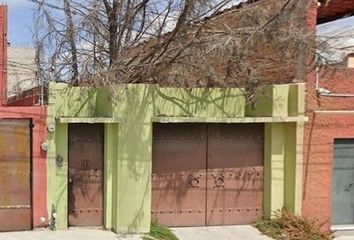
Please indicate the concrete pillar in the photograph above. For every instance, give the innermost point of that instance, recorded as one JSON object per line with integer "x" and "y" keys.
{"x": 299, "y": 167}
{"x": 274, "y": 168}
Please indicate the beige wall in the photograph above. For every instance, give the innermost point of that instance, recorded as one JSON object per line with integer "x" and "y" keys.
{"x": 350, "y": 62}
{"x": 21, "y": 70}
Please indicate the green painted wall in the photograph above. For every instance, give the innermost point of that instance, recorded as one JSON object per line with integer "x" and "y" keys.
{"x": 57, "y": 191}
{"x": 274, "y": 157}
{"x": 283, "y": 167}
{"x": 128, "y": 141}
{"x": 110, "y": 174}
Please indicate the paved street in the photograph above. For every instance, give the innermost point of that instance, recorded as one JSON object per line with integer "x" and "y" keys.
{"x": 198, "y": 233}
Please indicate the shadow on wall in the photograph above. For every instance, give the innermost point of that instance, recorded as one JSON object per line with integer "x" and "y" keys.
{"x": 136, "y": 106}
{"x": 134, "y": 151}
{"x": 182, "y": 102}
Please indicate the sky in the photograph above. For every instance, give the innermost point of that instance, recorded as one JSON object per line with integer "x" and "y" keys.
{"x": 20, "y": 22}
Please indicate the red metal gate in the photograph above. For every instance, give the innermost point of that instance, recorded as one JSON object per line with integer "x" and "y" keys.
{"x": 15, "y": 175}
{"x": 179, "y": 174}
{"x": 235, "y": 173}
{"x": 207, "y": 174}
{"x": 85, "y": 174}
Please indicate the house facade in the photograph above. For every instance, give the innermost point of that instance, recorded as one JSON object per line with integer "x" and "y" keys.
{"x": 22, "y": 161}
{"x": 157, "y": 147}
{"x": 328, "y": 145}
{"x": 122, "y": 156}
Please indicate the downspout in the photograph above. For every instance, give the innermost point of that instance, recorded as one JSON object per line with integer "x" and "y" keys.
{"x": 317, "y": 78}
{"x": 337, "y": 95}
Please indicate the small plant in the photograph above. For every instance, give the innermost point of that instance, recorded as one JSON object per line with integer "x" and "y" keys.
{"x": 288, "y": 226}
{"x": 159, "y": 232}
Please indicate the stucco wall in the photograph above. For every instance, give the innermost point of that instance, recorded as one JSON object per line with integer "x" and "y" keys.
{"x": 132, "y": 109}
{"x": 38, "y": 116}
{"x": 21, "y": 70}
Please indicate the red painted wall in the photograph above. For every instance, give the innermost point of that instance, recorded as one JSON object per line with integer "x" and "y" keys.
{"x": 320, "y": 132}
{"x": 38, "y": 114}
{"x": 3, "y": 54}
{"x": 39, "y": 177}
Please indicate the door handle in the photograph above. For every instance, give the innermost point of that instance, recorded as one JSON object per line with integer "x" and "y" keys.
{"x": 347, "y": 189}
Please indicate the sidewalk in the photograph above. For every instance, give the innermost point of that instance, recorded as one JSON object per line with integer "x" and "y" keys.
{"x": 71, "y": 234}
{"x": 344, "y": 235}
{"x": 194, "y": 233}
{"x": 244, "y": 232}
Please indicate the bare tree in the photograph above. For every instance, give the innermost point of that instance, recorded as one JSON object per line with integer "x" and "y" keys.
{"x": 174, "y": 42}
{"x": 71, "y": 39}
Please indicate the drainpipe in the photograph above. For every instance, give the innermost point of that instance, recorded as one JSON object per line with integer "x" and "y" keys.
{"x": 317, "y": 78}
{"x": 336, "y": 95}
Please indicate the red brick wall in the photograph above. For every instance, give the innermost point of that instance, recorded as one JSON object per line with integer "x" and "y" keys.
{"x": 320, "y": 132}
{"x": 312, "y": 16}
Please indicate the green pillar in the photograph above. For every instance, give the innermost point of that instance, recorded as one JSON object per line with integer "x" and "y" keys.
{"x": 299, "y": 167}
{"x": 134, "y": 161}
{"x": 293, "y": 166}
{"x": 57, "y": 189}
{"x": 110, "y": 174}
{"x": 134, "y": 178}
{"x": 274, "y": 168}
{"x": 290, "y": 166}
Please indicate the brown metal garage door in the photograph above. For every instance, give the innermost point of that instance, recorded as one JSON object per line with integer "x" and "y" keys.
{"x": 15, "y": 175}
{"x": 207, "y": 174}
{"x": 235, "y": 173}
{"x": 179, "y": 174}
{"x": 85, "y": 174}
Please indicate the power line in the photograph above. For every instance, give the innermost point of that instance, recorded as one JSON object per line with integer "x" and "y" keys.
{"x": 41, "y": 2}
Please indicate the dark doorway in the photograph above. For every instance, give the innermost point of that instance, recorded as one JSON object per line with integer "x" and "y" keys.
{"x": 86, "y": 174}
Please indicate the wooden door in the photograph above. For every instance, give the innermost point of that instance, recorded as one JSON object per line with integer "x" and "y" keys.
{"x": 15, "y": 175}
{"x": 86, "y": 174}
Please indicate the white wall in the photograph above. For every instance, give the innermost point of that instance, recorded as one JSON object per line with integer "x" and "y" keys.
{"x": 21, "y": 70}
